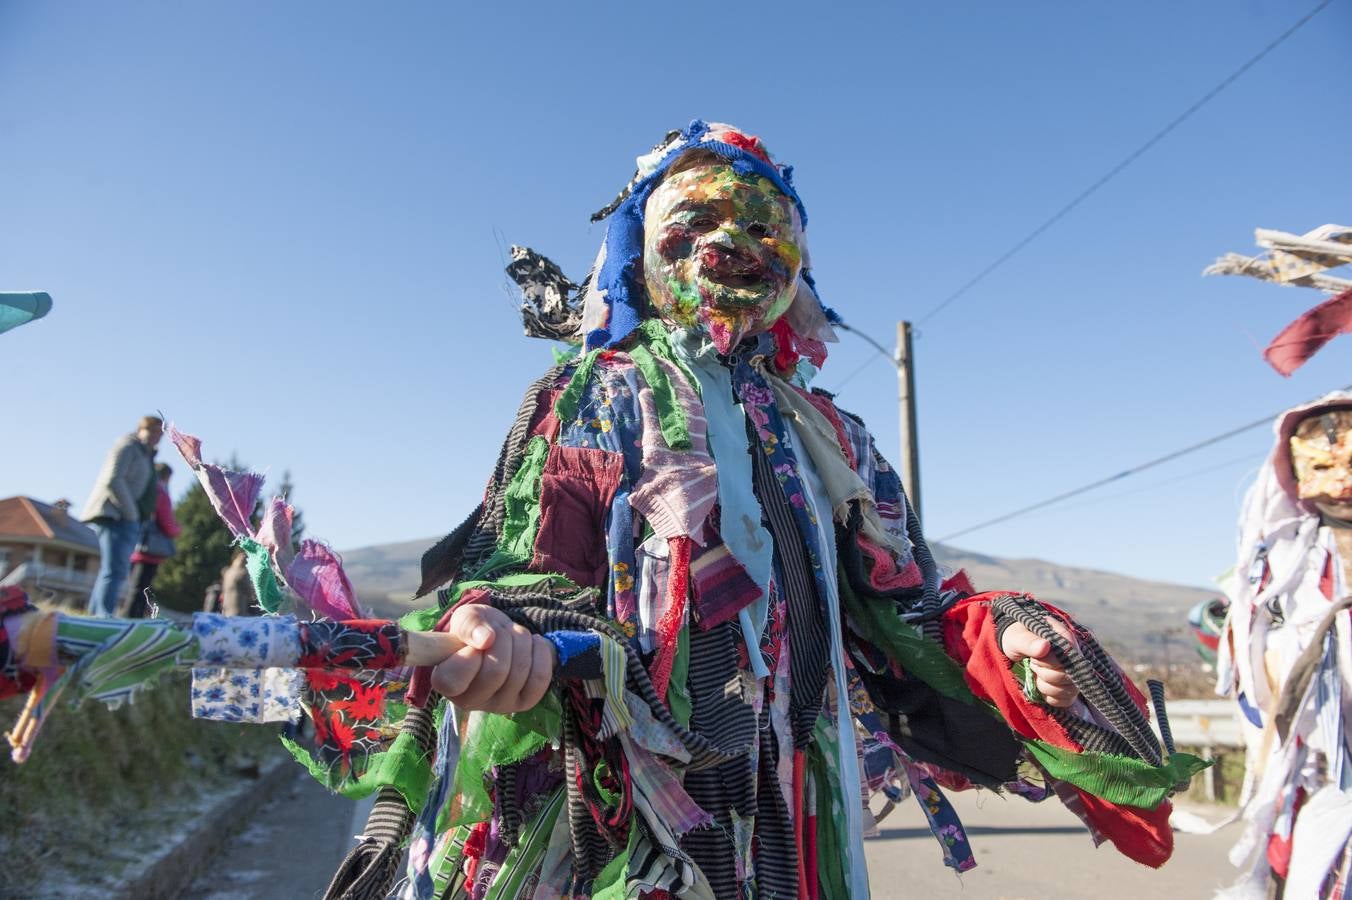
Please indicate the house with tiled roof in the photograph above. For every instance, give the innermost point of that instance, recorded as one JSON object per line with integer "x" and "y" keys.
{"x": 47, "y": 551}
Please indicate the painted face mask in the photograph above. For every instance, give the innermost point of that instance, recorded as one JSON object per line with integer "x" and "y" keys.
{"x": 1321, "y": 454}
{"x": 721, "y": 252}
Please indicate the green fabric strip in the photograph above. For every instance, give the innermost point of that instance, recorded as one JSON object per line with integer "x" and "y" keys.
{"x": 518, "y": 869}
{"x": 1117, "y": 779}
{"x": 879, "y": 624}
{"x": 566, "y": 406}
{"x": 494, "y": 740}
{"x": 111, "y": 659}
{"x": 653, "y": 334}
{"x": 832, "y": 856}
{"x": 678, "y": 693}
{"x": 670, "y": 414}
{"x": 257, "y": 561}
{"x": 403, "y": 765}
{"x": 612, "y": 883}
{"x": 521, "y": 511}
{"x": 450, "y": 854}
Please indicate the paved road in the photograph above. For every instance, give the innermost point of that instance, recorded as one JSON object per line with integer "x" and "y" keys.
{"x": 1027, "y": 851}
{"x": 1024, "y": 851}
{"x": 288, "y": 852}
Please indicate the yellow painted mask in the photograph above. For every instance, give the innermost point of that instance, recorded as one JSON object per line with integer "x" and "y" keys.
{"x": 721, "y": 252}
{"x": 1321, "y": 455}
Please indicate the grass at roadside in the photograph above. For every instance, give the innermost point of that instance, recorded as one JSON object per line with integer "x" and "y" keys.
{"x": 103, "y": 786}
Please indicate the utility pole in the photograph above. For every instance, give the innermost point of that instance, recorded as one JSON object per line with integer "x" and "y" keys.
{"x": 910, "y": 445}
{"x": 903, "y": 360}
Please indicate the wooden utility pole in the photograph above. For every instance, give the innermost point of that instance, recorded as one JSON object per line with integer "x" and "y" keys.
{"x": 902, "y": 359}
{"x": 910, "y": 446}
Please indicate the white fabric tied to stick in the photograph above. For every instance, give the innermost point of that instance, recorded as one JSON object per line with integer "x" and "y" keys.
{"x": 1294, "y": 259}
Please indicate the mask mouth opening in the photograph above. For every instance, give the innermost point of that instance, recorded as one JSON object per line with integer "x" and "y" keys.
{"x": 732, "y": 267}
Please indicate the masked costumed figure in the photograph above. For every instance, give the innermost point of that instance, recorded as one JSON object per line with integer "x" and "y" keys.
{"x": 695, "y": 616}
{"x": 1286, "y": 657}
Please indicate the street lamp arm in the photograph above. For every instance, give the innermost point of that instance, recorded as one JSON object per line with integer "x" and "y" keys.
{"x": 890, "y": 354}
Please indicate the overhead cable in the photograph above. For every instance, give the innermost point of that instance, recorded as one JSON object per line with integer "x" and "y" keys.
{"x": 1117, "y": 169}
{"x": 1118, "y": 477}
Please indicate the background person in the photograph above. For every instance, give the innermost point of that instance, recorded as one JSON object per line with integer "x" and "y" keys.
{"x": 115, "y": 509}
{"x": 157, "y": 544}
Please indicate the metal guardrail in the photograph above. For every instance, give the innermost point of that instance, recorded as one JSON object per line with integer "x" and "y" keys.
{"x": 1204, "y": 723}
{"x": 1207, "y": 727}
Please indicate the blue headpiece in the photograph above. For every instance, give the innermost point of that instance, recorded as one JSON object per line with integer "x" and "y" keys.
{"x": 615, "y": 303}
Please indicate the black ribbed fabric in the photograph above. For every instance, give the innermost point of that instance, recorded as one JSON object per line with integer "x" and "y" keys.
{"x": 776, "y": 859}
{"x": 719, "y": 711}
{"x": 1097, "y": 678}
{"x": 808, "y": 632}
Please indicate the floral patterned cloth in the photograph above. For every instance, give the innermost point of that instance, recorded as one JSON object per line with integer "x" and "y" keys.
{"x": 265, "y": 693}
{"x": 346, "y": 685}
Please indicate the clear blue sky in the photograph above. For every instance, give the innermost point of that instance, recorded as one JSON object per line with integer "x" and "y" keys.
{"x": 282, "y": 225}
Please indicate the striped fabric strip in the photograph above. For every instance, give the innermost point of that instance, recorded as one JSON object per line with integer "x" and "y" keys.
{"x": 615, "y": 715}
{"x": 720, "y": 712}
{"x": 118, "y": 657}
{"x": 776, "y": 860}
{"x": 809, "y": 648}
{"x": 518, "y": 876}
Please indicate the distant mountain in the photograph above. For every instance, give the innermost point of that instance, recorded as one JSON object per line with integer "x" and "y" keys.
{"x": 1130, "y": 616}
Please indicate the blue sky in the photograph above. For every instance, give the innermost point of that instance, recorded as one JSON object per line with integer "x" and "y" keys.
{"x": 284, "y": 226}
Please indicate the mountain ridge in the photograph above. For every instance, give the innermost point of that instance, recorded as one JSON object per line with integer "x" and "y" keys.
{"x": 1136, "y": 619}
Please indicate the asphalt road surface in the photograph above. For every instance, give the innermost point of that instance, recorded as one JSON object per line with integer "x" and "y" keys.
{"x": 1024, "y": 851}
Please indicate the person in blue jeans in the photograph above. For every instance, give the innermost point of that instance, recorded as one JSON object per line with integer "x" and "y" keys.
{"x": 123, "y": 496}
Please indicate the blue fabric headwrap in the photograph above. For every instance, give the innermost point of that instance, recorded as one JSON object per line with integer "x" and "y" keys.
{"x": 624, "y": 235}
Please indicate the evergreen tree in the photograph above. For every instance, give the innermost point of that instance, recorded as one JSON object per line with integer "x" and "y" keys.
{"x": 203, "y": 548}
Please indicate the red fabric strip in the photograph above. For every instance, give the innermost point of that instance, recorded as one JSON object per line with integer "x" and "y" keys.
{"x": 828, "y": 409}
{"x": 1296, "y": 343}
{"x": 669, "y": 626}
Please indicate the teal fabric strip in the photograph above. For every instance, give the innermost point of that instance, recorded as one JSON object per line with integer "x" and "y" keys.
{"x": 258, "y": 563}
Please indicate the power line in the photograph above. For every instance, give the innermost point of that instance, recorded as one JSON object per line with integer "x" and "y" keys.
{"x": 1156, "y": 485}
{"x": 850, "y": 377}
{"x": 1117, "y": 169}
{"x": 1118, "y": 477}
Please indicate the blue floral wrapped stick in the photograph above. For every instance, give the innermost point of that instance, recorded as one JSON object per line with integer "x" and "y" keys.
{"x": 245, "y": 668}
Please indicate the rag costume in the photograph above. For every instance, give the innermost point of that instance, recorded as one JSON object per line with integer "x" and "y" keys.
{"x": 1285, "y": 655}
{"x": 752, "y": 635}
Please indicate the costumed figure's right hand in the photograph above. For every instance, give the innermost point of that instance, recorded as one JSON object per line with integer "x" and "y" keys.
{"x": 1053, "y": 681}
{"x": 501, "y": 667}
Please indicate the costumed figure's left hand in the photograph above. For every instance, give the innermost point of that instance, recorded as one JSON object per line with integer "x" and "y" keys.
{"x": 1052, "y": 679}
